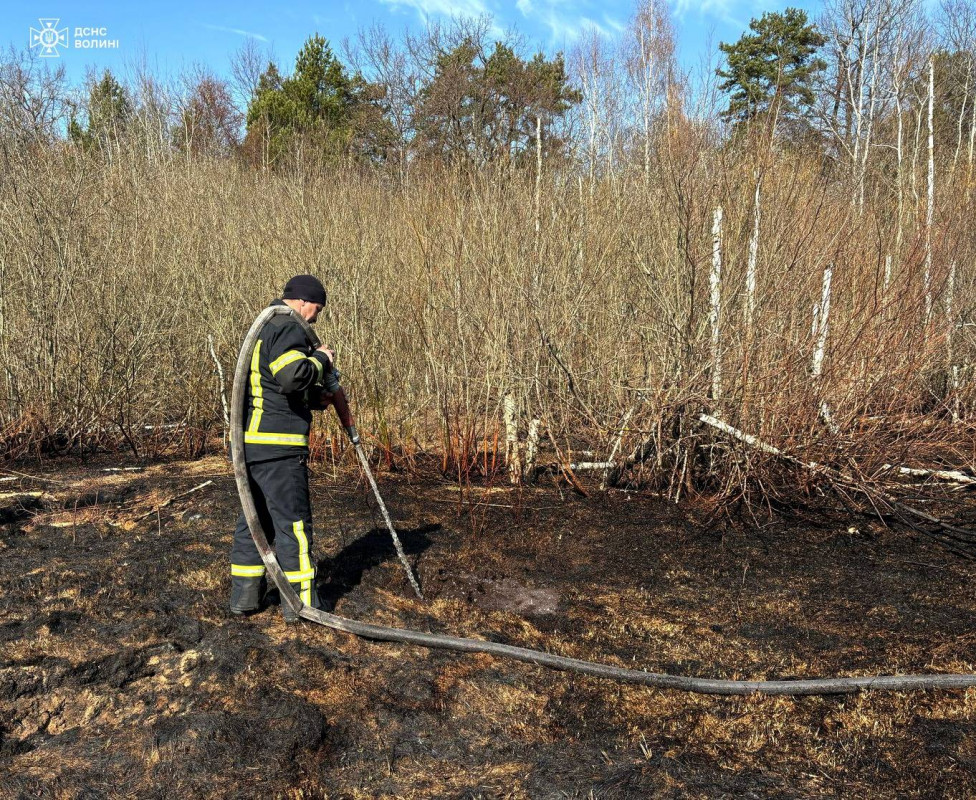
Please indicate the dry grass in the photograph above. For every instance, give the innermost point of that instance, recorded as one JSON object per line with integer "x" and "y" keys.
{"x": 443, "y": 299}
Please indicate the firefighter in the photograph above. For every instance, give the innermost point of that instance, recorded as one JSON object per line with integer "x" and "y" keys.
{"x": 289, "y": 377}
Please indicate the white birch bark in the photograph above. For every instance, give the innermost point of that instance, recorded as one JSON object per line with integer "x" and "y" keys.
{"x": 821, "y": 320}
{"x": 900, "y": 177}
{"x": 821, "y": 325}
{"x": 646, "y": 55}
{"x": 751, "y": 267}
{"x": 915, "y": 152}
{"x": 715, "y": 312}
{"x": 862, "y": 166}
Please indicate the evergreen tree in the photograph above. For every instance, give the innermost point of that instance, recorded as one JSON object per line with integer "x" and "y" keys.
{"x": 773, "y": 68}
{"x": 109, "y": 111}
{"x": 478, "y": 108}
{"x": 320, "y": 105}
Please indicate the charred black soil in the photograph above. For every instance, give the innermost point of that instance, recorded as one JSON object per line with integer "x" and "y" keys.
{"x": 122, "y": 674}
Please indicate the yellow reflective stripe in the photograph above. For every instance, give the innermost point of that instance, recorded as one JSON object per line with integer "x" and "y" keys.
{"x": 303, "y": 560}
{"x": 243, "y": 571}
{"x": 257, "y": 393}
{"x": 289, "y": 357}
{"x": 300, "y": 575}
{"x": 306, "y": 571}
{"x": 304, "y": 590}
{"x": 318, "y": 367}
{"x": 294, "y": 439}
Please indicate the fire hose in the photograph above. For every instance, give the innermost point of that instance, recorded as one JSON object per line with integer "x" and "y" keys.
{"x": 813, "y": 686}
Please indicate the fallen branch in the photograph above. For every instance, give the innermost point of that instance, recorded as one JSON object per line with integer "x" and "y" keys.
{"x": 581, "y": 466}
{"x": 19, "y": 495}
{"x": 951, "y": 475}
{"x": 953, "y": 533}
{"x": 173, "y": 499}
{"x": 14, "y": 474}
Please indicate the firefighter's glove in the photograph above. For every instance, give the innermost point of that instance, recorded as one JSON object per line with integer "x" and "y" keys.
{"x": 330, "y": 381}
{"x": 353, "y": 434}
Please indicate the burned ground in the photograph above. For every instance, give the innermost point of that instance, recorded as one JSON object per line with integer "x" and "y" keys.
{"x": 121, "y": 673}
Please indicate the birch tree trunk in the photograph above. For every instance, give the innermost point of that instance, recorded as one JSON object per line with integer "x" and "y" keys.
{"x": 821, "y": 324}
{"x": 821, "y": 321}
{"x": 751, "y": 265}
{"x": 715, "y": 313}
{"x": 750, "y": 305}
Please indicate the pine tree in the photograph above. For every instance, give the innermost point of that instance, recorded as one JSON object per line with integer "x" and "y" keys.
{"x": 320, "y": 105}
{"x": 109, "y": 110}
{"x": 773, "y": 68}
{"x": 479, "y": 108}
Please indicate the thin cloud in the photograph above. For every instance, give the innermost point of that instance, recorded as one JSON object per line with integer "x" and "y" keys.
{"x": 722, "y": 10}
{"x": 238, "y": 31}
{"x": 570, "y": 28}
{"x": 566, "y": 20}
{"x": 441, "y": 8}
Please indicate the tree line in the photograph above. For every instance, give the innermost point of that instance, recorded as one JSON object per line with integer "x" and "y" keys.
{"x": 845, "y": 84}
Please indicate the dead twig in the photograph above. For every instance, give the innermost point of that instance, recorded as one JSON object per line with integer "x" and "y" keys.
{"x": 949, "y": 537}
{"x": 171, "y": 500}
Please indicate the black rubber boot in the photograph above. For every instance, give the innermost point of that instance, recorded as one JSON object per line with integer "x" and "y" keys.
{"x": 289, "y": 615}
{"x": 245, "y": 595}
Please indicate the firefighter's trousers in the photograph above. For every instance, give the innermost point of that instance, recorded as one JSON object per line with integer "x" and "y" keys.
{"x": 280, "y": 489}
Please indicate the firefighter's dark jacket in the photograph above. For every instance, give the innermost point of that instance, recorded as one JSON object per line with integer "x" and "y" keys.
{"x": 285, "y": 370}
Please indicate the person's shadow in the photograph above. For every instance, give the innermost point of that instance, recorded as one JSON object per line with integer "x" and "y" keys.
{"x": 346, "y": 570}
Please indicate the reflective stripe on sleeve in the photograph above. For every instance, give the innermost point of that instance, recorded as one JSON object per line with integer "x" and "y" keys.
{"x": 283, "y": 361}
{"x": 318, "y": 368}
{"x": 257, "y": 393}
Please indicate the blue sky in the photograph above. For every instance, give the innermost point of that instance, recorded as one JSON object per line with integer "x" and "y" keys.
{"x": 178, "y": 34}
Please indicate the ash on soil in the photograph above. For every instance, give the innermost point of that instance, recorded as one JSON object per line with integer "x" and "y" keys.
{"x": 121, "y": 673}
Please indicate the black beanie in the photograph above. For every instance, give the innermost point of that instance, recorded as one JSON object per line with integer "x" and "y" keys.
{"x": 305, "y": 287}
